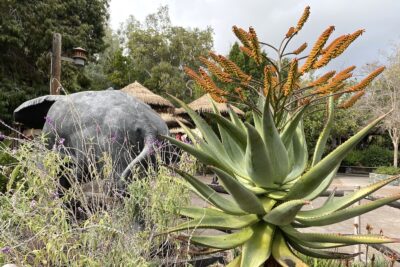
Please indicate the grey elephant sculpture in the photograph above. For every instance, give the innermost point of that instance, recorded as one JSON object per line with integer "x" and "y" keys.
{"x": 87, "y": 124}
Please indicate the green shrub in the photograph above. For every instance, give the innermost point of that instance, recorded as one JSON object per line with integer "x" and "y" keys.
{"x": 354, "y": 158}
{"x": 375, "y": 156}
{"x": 390, "y": 170}
{"x": 372, "y": 156}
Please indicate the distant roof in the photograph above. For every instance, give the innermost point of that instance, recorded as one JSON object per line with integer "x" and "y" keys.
{"x": 172, "y": 121}
{"x": 204, "y": 104}
{"x": 142, "y": 93}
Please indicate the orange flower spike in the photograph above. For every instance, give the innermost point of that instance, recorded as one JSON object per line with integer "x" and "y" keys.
{"x": 349, "y": 40}
{"x": 349, "y": 103}
{"x": 255, "y": 45}
{"x": 291, "y": 79}
{"x": 367, "y": 80}
{"x": 347, "y": 70}
{"x": 323, "y": 79}
{"x": 331, "y": 52}
{"x": 242, "y": 35}
{"x": 290, "y": 32}
{"x": 316, "y": 50}
{"x": 303, "y": 19}
{"x": 300, "y": 49}
{"x": 239, "y": 92}
{"x": 211, "y": 87}
{"x": 199, "y": 80}
{"x": 217, "y": 71}
{"x": 267, "y": 80}
{"x": 247, "y": 51}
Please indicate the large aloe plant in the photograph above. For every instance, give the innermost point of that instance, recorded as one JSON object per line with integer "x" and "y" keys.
{"x": 264, "y": 166}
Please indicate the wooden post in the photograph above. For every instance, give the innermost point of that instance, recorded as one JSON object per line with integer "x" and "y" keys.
{"x": 55, "y": 78}
{"x": 357, "y": 228}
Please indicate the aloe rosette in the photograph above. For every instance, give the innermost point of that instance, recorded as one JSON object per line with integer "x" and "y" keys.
{"x": 265, "y": 172}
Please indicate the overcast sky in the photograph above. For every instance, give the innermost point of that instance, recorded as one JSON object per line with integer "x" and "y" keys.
{"x": 272, "y": 18}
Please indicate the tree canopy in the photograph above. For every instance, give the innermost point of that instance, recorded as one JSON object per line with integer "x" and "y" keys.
{"x": 26, "y": 34}
{"x": 154, "y": 53}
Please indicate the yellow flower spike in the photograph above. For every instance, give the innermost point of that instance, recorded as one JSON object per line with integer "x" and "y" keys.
{"x": 303, "y": 19}
{"x": 217, "y": 71}
{"x": 316, "y": 50}
{"x": 199, "y": 80}
{"x": 210, "y": 85}
{"x": 323, "y": 79}
{"x": 300, "y": 49}
{"x": 291, "y": 80}
{"x": 367, "y": 80}
{"x": 349, "y": 103}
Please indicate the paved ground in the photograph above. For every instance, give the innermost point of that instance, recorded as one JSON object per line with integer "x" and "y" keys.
{"x": 385, "y": 219}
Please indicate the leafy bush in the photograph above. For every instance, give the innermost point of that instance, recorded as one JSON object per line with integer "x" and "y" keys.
{"x": 36, "y": 228}
{"x": 354, "y": 158}
{"x": 390, "y": 170}
{"x": 372, "y": 156}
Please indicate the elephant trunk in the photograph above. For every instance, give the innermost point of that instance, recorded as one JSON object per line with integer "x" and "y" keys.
{"x": 147, "y": 149}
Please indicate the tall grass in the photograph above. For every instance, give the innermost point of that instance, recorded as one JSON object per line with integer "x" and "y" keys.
{"x": 38, "y": 229}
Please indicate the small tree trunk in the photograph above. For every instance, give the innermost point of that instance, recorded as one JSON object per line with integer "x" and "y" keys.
{"x": 396, "y": 152}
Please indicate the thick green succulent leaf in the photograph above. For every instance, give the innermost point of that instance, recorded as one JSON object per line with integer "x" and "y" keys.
{"x": 322, "y": 254}
{"x": 224, "y": 241}
{"x": 193, "y": 137}
{"x": 233, "y": 130}
{"x": 245, "y": 199}
{"x": 298, "y": 154}
{"x": 236, "y": 120}
{"x": 283, "y": 254}
{"x": 285, "y": 213}
{"x": 323, "y": 137}
{"x": 291, "y": 126}
{"x": 221, "y": 222}
{"x": 204, "y": 157}
{"x": 257, "y": 121}
{"x": 210, "y": 195}
{"x": 337, "y": 238}
{"x": 205, "y": 129}
{"x": 313, "y": 178}
{"x": 324, "y": 185}
{"x": 276, "y": 150}
{"x": 235, "y": 262}
{"x": 316, "y": 245}
{"x": 258, "y": 248}
{"x": 197, "y": 213}
{"x": 347, "y": 200}
{"x": 259, "y": 165}
{"x": 346, "y": 214}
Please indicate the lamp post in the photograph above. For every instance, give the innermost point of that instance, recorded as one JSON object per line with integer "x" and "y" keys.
{"x": 78, "y": 58}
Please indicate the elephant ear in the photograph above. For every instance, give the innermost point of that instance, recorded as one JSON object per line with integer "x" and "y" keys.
{"x": 32, "y": 113}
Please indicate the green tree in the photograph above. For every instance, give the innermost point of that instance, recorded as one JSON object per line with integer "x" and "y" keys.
{"x": 154, "y": 53}
{"x": 26, "y": 38}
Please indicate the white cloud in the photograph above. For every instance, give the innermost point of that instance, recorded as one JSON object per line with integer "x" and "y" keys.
{"x": 271, "y": 19}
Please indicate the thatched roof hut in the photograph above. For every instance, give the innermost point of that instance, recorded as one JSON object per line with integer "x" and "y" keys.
{"x": 204, "y": 104}
{"x": 157, "y": 102}
{"x": 172, "y": 121}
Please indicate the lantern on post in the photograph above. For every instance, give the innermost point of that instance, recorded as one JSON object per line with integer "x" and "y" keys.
{"x": 79, "y": 56}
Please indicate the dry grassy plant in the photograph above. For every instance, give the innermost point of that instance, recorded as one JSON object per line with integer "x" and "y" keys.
{"x": 38, "y": 229}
